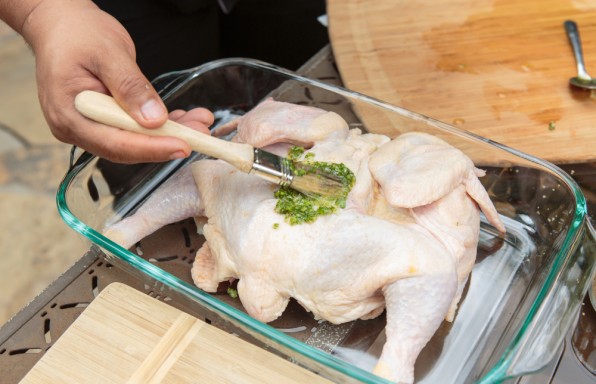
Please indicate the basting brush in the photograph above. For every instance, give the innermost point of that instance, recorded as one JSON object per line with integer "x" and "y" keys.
{"x": 278, "y": 170}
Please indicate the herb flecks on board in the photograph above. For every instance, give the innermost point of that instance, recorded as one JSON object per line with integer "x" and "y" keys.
{"x": 299, "y": 208}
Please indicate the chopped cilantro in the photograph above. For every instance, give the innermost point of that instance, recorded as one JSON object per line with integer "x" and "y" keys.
{"x": 299, "y": 208}
{"x": 233, "y": 293}
{"x": 295, "y": 152}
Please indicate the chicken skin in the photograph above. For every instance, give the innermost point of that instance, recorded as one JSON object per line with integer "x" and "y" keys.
{"x": 405, "y": 242}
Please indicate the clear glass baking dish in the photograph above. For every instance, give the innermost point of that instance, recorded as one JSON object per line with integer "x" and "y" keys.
{"x": 521, "y": 299}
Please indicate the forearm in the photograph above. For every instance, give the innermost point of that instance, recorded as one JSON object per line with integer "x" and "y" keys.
{"x": 15, "y": 12}
{"x": 23, "y": 15}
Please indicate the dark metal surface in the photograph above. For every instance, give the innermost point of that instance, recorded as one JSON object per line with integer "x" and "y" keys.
{"x": 568, "y": 367}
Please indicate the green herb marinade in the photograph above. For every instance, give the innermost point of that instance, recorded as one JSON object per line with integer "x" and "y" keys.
{"x": 233, "y": 293}
{"x": 295, "y": 152}
{"x": 298, "y": 208}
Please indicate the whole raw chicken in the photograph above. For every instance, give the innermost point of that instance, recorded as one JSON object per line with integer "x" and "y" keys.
{"x": 405, "y": 243}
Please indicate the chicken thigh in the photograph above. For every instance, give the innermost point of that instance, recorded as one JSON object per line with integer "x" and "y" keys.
{"x": 405, "y": 243}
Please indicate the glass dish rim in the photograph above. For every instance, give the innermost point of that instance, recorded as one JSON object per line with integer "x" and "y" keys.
{"x": 496, "y": 373}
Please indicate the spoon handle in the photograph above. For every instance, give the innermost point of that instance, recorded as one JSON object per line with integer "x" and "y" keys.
{"x": 573, "y": 34}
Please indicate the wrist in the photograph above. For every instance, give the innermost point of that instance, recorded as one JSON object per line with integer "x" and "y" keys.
{"x": 44, "y": 15}
{"x": 15, "y": 12}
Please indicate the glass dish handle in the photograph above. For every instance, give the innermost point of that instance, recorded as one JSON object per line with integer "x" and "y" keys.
{"x": 163, "y": 83}
{"x": 542, "y": 335}
{"x": 77, "y": 157}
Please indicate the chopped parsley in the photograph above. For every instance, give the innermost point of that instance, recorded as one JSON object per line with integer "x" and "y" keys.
{"x": 232, "y": 292}
{"x": 299, "y": 208}
{"x": 295, "y": 152}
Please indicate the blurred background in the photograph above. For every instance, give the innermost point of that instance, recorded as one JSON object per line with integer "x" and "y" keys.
{"x": 36, "y": 246}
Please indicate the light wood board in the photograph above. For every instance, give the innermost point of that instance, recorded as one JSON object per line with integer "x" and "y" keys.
{"x": 497, "y": 68}
{"x": 125, "y": 336}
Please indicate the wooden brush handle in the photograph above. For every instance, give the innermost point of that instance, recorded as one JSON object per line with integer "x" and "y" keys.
{"x": 104, "y": 109}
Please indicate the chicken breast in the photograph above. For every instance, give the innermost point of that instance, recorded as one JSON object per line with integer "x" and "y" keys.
{"x": 405, "y": 243}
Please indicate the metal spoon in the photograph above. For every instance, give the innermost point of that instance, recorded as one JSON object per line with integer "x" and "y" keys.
{"x": 582, "y": 80}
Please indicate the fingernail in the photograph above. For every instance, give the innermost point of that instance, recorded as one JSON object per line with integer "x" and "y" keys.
{"x": 152, "y": 110}
{"x": 177, "y": 155}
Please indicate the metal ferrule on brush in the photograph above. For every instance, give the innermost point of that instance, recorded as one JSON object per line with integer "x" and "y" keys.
{"x": 272, "y": 167}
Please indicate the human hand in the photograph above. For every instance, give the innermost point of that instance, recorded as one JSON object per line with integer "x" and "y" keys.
{"x": 79, "y": 47}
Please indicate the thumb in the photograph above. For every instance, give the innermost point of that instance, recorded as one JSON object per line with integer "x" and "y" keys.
{"x": 131, "y": 89}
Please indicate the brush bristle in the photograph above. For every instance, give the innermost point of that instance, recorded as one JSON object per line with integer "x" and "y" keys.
{"x": 318, "y": 183}
{"x": 323, "y": 179}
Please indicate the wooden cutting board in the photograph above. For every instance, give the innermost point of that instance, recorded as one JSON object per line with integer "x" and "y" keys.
{"x": 497, "y": 68}
{"x": 125, "y": 336}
